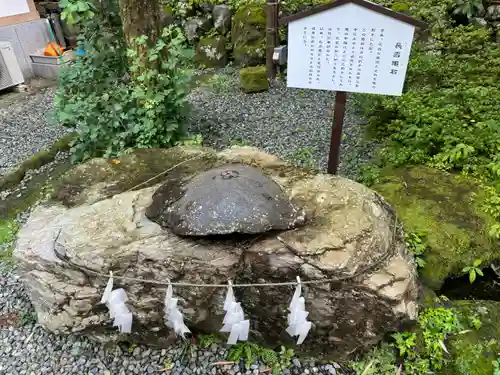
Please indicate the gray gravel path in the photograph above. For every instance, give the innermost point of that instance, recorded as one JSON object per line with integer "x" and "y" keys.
{"x": 24, "y": 127}
{"x": 294, "y": 124}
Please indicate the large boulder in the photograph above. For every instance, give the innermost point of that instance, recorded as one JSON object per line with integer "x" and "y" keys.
{"x": 96, "y": 223}
{"x": 248, "y": 35}
{"x": 447, "y": 210}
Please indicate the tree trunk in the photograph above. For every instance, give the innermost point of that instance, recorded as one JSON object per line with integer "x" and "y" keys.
{"x": 141, "y": 17}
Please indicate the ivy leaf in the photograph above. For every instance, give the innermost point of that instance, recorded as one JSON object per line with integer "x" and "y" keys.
{"x": 477, "y": 262}
{"x": 480, "y": 272}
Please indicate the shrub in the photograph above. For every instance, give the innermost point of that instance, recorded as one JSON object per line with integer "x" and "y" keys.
{"x": 113, "y": 102}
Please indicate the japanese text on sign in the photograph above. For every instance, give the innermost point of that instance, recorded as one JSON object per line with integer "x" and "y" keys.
{"x": 338, "y": 50}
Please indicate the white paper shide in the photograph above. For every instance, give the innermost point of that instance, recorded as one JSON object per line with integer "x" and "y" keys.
{"x": 298, "y": 325}
{"x": 234, "y": 320}
{"x": 115, "y": 301}
{"x": 173, "y": 316}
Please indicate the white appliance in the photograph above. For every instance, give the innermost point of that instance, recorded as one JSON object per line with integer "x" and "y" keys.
{"x": 10, "y": 72}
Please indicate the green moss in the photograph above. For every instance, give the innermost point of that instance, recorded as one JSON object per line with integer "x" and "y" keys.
{"x": 249, "y": 35}
{"x": 445, "y": 208}
{"x": 254, "y": 79}
{"x": 473, "y": 352}
{"x": 142, "y": 167}
{"x": 36, "y": 161}
{"x": 401, "y": 6}
{"x": 8, "y": 231}
{"x": 211, "y": 52}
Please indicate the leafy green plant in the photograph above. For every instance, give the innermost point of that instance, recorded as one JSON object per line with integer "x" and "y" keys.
{"x": 304, "y": 156}
{"x": 250, "y": 353}
{"x": 416, "y": 245}
{"x": 369, "y": 175}
{"x": 112, "y": 100}
{"x": 27, "y": 317}
{"x": 405, "y": 342}
{"x": 423, "y": 350}
{"x": 474, "y": 270}
{"x": 447, "y": 117}
{"x": 496, "y": 367}
{"x": 8, "y": 231}
{"x": 221, "y": 83}
{"x": 437, "y": 324}
{"x": 469, "y": 8}
{"x": 76, "y": 11}
{"x": 206, "y": 341}
{"x": 380, "y": 361}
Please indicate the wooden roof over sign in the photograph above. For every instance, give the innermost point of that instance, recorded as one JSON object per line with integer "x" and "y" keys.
{"x": 363, "y": 3}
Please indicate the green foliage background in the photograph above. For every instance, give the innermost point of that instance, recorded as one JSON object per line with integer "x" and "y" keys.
{"x": 448, "y": 116}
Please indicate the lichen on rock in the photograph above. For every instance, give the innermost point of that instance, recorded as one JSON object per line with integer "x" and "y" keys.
{"x": 446, "y": 209}
{"x": 211, "y": 52}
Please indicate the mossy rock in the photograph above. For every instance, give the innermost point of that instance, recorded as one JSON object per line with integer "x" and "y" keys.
{"x": 473, "y": 352}
{"x": 211, "y": 52}
{"x": 101, "y": 178}
{"x": 254, "y": 79}
{"x": 446, "y": 209}
{"x": 36, "y": 161}
{"x": 248, "y": 35}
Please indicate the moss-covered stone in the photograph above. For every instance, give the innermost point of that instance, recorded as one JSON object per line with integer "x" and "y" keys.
{"x": 102, "y": 178}
{"x": 248, "y": 35}
{"x": 254, "y": 79}
{"x": 444, "y": 207}
{"x": 36, "y": 161}
{"x": 473, "y": 352}
{"x": 211, "y": 52}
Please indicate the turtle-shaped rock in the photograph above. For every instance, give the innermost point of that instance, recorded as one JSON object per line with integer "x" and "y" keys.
{"x": 231, "y": 199}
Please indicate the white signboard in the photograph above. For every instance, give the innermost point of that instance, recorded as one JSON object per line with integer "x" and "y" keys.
{"x": 349, "y": 48}
{"x": 13, "y": 7}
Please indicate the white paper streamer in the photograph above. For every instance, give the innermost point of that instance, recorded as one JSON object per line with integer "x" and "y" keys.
{"x": 173, "y": 316}
{"x": 234, "y": 321}
{"x": 297, "y": 318}
{"x": 108, "y": 289}
{"x": 115, "y": 301}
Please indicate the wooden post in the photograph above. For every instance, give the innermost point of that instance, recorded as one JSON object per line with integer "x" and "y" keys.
{"x": 338, "y": 122}
{"x": 271, "y": 38}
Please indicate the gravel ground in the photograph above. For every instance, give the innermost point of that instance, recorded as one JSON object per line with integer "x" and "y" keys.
{"x": 24, "y": 128}
{"x": 294, "y": 124}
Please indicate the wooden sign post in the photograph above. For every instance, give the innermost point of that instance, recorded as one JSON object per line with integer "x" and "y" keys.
{"x": 348, "y": 46}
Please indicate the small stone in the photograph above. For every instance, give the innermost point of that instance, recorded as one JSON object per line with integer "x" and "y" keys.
{"x": 307, "y": 372}
{"x": 254, "y": 79}
{"x": 331, "y": 370}
{"x": 296, "y": 362}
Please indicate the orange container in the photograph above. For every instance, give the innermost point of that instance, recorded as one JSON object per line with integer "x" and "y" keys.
{"x": 53, "y": 49}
